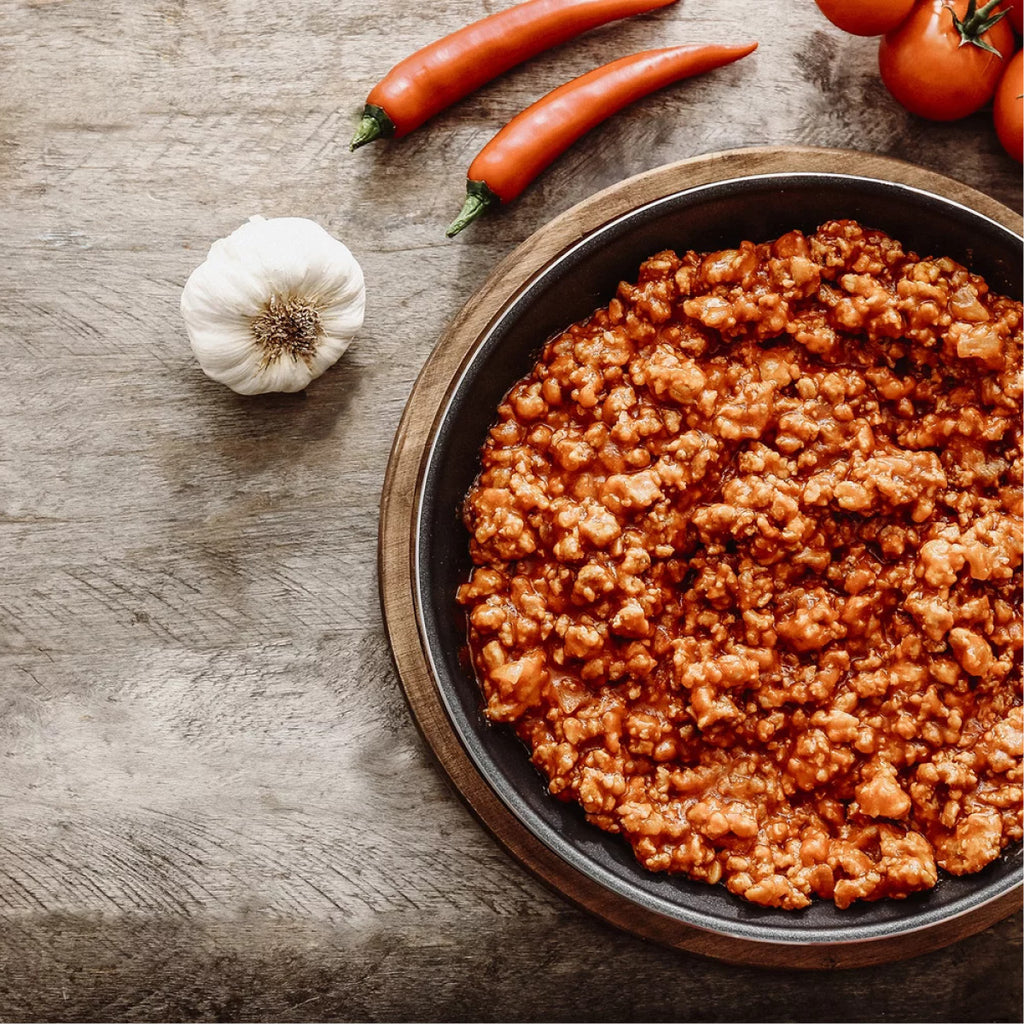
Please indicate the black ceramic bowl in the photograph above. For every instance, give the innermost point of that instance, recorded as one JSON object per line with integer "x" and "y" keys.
{"x": 581, "y": 279}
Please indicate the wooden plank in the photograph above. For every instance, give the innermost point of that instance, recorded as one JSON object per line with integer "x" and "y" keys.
{"x": 488, "y": 965}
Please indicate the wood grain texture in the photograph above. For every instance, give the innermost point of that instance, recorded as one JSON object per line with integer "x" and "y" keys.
{"x": 215, "y": 804}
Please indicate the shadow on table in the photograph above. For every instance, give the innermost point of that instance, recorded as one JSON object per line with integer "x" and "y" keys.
{"x": 505, "y": 968}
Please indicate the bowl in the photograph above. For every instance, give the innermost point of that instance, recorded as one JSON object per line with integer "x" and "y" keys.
{"x": 561, "y": 276}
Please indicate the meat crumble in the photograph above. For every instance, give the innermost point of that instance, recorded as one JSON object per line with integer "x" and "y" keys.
{"x": 747, "y": 549}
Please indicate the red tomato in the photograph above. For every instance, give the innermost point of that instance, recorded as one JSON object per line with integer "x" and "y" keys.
{"x": 865, "y": 17}
{"x": 1016, "y": 9}
{"x": 927, "y": 70}
{"x": 1008, "y": 108}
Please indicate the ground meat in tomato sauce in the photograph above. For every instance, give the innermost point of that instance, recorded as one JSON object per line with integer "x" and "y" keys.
{"x": 748, "y": 555}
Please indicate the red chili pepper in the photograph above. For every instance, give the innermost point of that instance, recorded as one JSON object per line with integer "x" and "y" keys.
{"x": 433, "y": 78}
{"x": 545, "y": 130}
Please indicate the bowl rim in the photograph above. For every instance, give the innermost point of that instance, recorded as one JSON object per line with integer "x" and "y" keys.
{"x": 466, "y": 336}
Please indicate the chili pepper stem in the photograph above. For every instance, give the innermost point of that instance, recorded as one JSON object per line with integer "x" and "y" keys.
{"x": 374, "y": 124}
{"x": 478, "y": 199}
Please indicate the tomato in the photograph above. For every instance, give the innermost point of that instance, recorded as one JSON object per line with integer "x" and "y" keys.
{"x": 1008, "y": 108}
{"x": 1016, "y": 9}
{"x": 930, "y": 70}
{"x": 865, "y": 17}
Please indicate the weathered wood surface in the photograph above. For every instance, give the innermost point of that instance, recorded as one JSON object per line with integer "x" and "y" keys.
{"x": 214, "y": 802}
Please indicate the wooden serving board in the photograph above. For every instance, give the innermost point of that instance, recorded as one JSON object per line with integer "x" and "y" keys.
{"x": 397, "y": 530}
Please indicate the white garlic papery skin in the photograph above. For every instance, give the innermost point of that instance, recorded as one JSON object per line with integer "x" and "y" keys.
{"x": 275, "y": 304}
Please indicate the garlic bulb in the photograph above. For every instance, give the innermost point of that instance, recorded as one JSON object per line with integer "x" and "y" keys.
{"x": 275, "y": 304}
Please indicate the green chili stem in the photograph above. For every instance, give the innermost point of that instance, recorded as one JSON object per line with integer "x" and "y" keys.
{"x": 374, "y": 124}
{"x": 478, "y": 199}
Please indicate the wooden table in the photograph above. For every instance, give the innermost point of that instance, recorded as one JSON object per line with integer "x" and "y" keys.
{"x": 215, "y": 804}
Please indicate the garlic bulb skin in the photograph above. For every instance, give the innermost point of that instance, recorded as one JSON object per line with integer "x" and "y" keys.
{"x": 274, "y": 305}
